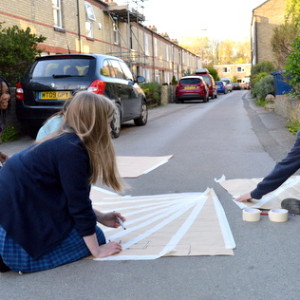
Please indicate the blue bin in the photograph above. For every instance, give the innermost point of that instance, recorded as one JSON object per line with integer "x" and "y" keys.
{"x": 281, "y": 86}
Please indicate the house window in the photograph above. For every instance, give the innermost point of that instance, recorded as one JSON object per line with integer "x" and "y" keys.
{"x": 167, "y": 77}
{"x": 116, "y": 33}
{"x": 90, "y": 19}
{"x": 147, "y": 75}
{"x": 167, "y": 53}
{"x": 146, "y": 40}
{"x": 240, "y": 69}
{"x": 226, "y": 70}
{"x": 89, "y": 11}
{"x": 155, "y": 47}
{"x": 57, "y": 13}
{"x": 157, "y": 76}
{"x": 89, "y": 29}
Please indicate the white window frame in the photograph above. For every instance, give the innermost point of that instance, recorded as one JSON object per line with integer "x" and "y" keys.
{"x": 167, "y": 53}
{"x": 57, "y": 13}
{"x": 89, "y": 29}
{"x": 147, "y": 75}
{"x": 155, "y": 47}
{"x": 90, "y": 19}
{"x": 157, "y": 76}
{"x": 89, "y": 10}
{"x": 146, "y": 42}
{"x": 167, "y": 77}
{"x": 116, "y": 33}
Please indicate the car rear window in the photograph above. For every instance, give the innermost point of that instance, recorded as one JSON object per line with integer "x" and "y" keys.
{"x": 69, "y": 67}
{"x": 190, "y": 81}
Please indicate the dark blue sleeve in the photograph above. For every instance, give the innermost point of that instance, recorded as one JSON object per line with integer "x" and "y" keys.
{"x": 74, "y": 172}
{"x": 281, "y": 172}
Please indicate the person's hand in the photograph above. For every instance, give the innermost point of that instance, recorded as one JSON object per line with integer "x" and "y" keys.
{"x": 244, "y": 198}
{"x": 111, "y": 219}
{"x": 3, "y": 157}
{"x": 108, "y": 249}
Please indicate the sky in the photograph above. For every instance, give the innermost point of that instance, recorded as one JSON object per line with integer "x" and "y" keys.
{"x": 216, "y": 19}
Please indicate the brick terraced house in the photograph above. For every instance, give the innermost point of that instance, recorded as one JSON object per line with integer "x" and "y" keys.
{"x": 93, "y": 26}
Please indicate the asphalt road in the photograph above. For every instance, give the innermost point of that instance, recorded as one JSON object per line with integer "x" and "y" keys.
{"x": 228, "y": 135}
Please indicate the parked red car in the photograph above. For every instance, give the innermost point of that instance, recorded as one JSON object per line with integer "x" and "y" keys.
{"x": 246, "y": 86}
{"x": 209, "y": 80}
{"x": 191, "y": 87}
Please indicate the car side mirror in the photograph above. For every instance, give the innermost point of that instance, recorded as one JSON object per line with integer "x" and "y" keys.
{"x": 140, "y": 79}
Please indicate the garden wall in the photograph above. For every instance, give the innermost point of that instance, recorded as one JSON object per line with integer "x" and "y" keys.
{"x": 287, "y": 107}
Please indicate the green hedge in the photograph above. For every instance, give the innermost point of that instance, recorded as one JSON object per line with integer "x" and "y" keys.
{"x": 152, "y": 91}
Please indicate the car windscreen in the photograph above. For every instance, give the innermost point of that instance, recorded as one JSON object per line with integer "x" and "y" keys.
{"x": 219, "y": 83}
{"x": 190, "y": 81}
{"x": 55, "y": 68}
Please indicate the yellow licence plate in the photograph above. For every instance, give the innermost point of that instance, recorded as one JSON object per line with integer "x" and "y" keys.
{"x": 189, "y": 87}
{"x": 53, "y": 95}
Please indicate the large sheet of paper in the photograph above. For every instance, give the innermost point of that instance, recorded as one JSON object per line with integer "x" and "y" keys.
{"x": 134, "y": 166}
{"x": 237, "y": 187}
{"x": 168, "y": 225}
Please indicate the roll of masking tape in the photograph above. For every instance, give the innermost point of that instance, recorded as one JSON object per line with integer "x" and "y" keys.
{"x": 251, "y": 214}
{"x": 278, "y": 215}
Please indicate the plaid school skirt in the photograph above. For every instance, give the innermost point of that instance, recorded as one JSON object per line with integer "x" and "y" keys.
{"x": 71, "y": 249}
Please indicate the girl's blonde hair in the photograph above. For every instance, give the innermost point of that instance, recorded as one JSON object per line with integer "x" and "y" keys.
{"x": 88, "y": 116}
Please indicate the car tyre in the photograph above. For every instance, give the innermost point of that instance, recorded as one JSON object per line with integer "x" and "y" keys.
{"x": 116, "y": 122}
{"x": 143, "y": 118}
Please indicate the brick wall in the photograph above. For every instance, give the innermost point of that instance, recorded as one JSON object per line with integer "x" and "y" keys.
{"x": 265, "y": 18}
{"x": 287, "y": 107}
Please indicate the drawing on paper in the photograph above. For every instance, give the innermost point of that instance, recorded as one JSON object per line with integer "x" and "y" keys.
{"x": 168, "y": 225}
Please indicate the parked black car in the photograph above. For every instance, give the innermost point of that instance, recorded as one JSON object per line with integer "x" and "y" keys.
{"x": 53, "y": 79}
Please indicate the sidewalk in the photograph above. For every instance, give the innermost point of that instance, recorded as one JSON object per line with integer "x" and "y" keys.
{"x": 24, "y": 141}
{"x": 270, "y": 129}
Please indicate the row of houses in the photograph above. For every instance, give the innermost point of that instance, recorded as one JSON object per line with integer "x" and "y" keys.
{"x": 93, "y": 26}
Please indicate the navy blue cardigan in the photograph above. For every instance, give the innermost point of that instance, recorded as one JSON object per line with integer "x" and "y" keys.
{"x": 281, "y": 172}
{"x": 44, "y": 194}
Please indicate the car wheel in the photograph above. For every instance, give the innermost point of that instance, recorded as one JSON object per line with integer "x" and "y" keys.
{"x": 116, "y": 122}
{"x": 142, "y": 119}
